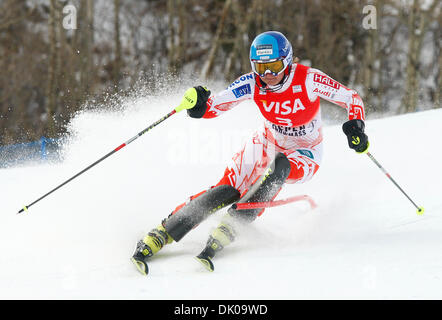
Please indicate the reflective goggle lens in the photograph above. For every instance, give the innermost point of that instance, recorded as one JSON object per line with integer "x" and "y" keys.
{"x": 274, "y": 67}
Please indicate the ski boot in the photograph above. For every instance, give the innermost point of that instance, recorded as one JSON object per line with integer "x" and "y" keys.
{"x": 147, "y": 247}
{"x": 182, "y": 220}
{"x": 265, "y": 188}
{"x": 223, "y": 235}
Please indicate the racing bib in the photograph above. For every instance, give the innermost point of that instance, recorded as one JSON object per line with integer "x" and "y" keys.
{"x": 291, "y": 108}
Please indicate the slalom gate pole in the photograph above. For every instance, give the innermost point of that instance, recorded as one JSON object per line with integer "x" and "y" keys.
{"x": 274, "y": 203}
{"x": 420, "y": 210}
{"x": 25, "y": 208}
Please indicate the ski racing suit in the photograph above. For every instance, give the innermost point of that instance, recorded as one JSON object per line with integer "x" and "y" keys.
{"x": 292, "y": 123}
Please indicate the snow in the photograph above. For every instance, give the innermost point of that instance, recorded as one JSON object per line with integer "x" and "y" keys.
{"x": 364, "y": 241}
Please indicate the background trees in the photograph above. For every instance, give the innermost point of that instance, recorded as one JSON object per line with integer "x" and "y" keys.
{"x": 49, "y": 71}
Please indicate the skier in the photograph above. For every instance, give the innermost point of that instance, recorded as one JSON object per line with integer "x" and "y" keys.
{"x": 287, "y": 149}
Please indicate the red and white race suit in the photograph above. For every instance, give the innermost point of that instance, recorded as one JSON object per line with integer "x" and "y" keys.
{"x": 292, "y": 123}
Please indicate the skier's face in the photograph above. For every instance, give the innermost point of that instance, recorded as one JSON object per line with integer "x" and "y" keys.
{"x": 272, "y": 80}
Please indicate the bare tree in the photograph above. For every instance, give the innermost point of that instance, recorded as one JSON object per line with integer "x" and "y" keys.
{"x": 177, "y": 30}
{"x": 48, "y": 72}
{"x": 438, "y": 53}
{"x": 52, "y": 66}
{"x": 438, "y": 95}
{"x": 207, "y": 68}
{"x": 418, "y": 21}
{"x": 117, "y": 41}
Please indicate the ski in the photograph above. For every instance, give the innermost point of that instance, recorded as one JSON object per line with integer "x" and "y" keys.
{"x": 141, "y": 265}
{"x": 206, "y": 262}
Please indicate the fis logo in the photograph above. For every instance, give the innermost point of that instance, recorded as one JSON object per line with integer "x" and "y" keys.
{"x": 297, "y": 89}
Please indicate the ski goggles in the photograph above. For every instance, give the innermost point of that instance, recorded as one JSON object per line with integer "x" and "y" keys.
{"x": 275, "y": 67}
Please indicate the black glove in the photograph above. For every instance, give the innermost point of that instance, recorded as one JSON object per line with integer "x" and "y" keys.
{"x": 357, "y": 139}
{"x": 201, "y": 103}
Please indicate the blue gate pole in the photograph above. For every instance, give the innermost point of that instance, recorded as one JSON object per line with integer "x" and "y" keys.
{"x": 43, "y": 148}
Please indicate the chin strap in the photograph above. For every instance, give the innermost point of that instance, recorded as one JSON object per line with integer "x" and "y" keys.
{"x": 259, "y": 82}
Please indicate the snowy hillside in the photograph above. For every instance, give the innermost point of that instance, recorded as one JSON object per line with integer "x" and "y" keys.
{"x": 364, "y": 241}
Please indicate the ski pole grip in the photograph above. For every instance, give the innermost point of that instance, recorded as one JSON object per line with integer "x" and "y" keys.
{"x": 189, "y": 100}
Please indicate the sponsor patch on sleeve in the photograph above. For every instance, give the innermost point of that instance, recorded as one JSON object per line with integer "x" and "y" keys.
{"x": 242, "y": 90}
{"x": 325, "y": 80}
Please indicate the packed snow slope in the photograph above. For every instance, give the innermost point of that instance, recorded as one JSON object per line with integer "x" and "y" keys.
{"x": 364, "y": 241}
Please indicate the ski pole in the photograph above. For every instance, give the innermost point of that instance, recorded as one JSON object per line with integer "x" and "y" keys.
{"x": 25, "y": 208}
{"x": 186, "y": 103}
{"x": 274, "y": 203}
{"x": 420, "y": 210}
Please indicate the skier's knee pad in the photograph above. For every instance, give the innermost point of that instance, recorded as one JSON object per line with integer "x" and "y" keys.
{"x": 198, "y": 209}
{"x": 265, "y": 188}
